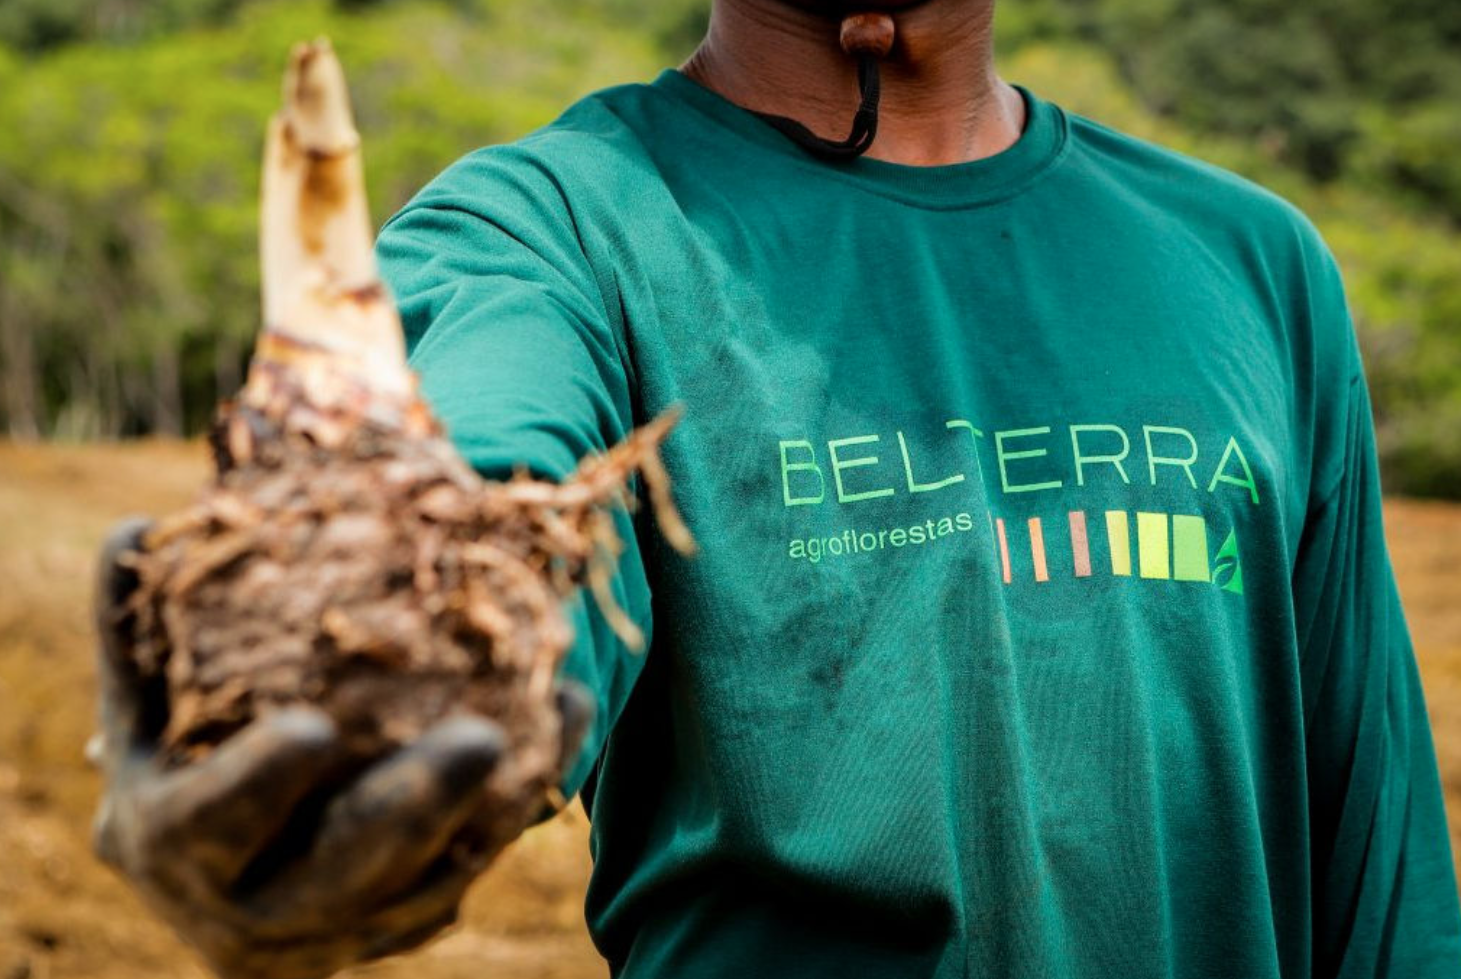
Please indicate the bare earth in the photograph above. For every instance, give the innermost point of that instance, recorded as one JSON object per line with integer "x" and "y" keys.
{"x": 62, "y": 915}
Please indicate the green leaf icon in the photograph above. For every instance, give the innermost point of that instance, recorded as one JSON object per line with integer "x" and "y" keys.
{"x": 1226, "y": 566}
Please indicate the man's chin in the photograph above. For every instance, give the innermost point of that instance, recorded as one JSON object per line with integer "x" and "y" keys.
{"x": 841, "y": 8}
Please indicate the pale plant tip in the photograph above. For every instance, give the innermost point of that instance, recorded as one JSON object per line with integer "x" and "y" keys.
{"x": 317, "y": 101}
{"x": 329, "y": 321}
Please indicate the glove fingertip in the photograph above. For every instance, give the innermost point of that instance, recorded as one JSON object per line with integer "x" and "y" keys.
{"x": 104, "y": 833}
{"x": 302, "y": 728}
{"x": 464, "y": 750}
{"x": 127, "y": 709}
{"x": 116, "y": 580}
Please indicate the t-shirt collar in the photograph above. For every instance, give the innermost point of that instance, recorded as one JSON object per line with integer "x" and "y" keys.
{"x": 988, "y": 180}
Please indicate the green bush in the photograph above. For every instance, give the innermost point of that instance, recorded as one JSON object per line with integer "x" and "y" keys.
{"x": 128, "y": 276}
{"x": 128, "y": 178}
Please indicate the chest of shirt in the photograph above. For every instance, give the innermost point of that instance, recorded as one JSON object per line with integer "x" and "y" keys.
{"x": 1000, "y": 374}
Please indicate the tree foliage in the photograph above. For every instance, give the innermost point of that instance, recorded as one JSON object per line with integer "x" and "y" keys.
{"x": 1369, "y": 92}
{"x": 128, "y": 173}
{"x": 127, "y": 209}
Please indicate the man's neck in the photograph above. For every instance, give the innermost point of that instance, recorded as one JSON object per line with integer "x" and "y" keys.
{"x": 942, "y": 101}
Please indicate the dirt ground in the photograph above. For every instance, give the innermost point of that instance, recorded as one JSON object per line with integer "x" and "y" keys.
{"x": 62, "y": 915}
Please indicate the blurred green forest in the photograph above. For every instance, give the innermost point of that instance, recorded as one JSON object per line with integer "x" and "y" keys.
{"x": 130, "y": 132}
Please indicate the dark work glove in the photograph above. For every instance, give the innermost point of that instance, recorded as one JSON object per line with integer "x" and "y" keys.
{"x": 245, "y": 853}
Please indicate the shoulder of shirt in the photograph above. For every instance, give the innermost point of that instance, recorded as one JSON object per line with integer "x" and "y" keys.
{"x": 1225, "y": 200}
{"x": 1261, "y": 237}
{"x": 1220, "y": 206}
{"x": 597, "y": 123}
{"x": 589, "y": 145}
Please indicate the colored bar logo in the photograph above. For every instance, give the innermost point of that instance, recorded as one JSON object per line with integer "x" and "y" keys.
{"x": 1080, "y": 545}
{"x": 1151, "y": 547}
{"x": 1037, "y": 550}
{"x": 1169, "y": 547}
{"x": 1004, "y": 550}
{"x": 1189, "y": 548}
{"x": 1119, "y": 539}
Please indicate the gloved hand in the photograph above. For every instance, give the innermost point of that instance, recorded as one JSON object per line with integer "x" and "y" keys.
{"x": 246, "y": 854}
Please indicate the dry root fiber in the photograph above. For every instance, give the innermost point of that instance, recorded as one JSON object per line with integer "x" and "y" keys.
{"x": 345, "y": 555}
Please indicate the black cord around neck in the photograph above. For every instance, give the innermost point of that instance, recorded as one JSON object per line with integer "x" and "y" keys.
{"x": 864, "y": 123}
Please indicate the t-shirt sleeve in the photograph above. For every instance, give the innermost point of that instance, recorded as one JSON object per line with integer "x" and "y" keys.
{"x": 1384, "y": 888}
{"x": 521, "y": 360}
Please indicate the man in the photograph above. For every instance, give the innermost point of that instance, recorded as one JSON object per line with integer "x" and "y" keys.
{"x": 1043, "y": 625}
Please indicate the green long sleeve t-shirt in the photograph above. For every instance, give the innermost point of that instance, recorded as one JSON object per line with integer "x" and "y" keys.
{"x": 1043, "y": 624}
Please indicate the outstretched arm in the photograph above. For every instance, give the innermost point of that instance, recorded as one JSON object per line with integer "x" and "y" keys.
{"x": 523, "y": 358}
{"x": 257, "y": 853}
